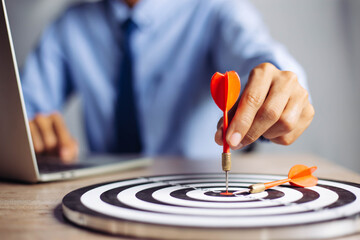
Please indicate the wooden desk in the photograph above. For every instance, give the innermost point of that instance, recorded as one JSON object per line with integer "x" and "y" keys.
{"x": 34, "y": 212}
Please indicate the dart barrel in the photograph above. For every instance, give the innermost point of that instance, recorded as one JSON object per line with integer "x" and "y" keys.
{"x": 226, "y": 161}
{"x": 257, "y": 188}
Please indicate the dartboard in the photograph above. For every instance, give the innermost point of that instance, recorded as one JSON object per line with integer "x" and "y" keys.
{"x": 190, "y": 206}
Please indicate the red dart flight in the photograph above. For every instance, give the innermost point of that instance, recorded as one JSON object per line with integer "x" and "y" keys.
{"x": 225, "y": 90}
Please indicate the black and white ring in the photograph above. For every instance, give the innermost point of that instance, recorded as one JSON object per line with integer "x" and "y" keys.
{"x": 194, "y": 201}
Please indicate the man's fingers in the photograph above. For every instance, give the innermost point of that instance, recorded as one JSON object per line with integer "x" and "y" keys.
{"x": 288, "y": 120}
{"x": 220, "y": 123}
{"x": 44, "y": 125}
{"x": 50, "y": 136}
{"x": 252, "y": 99}
{"x": 304, "y": 122}
{"x": 36, "y": 138}
{"x": 69, "y": 152}
{"x": 219, "y": 132}
{"x": 219, "y": 136}
{"x": 67, "y": 146}
{"x": 269, "y": 113}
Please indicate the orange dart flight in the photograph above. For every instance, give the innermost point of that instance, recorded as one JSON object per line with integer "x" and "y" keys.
{"x": 299, "y": 175}
{"x": 225, "y": 90}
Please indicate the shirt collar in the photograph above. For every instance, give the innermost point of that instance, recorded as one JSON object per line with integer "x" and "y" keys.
{"x": 140, "y": 13}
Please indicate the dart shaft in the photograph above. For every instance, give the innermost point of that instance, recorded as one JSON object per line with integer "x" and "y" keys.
{"x": 276, "y": 183}
{"x": 226, "y": 148}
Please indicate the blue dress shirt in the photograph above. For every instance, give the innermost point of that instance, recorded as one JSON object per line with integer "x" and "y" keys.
{"x": 177, "y": 46}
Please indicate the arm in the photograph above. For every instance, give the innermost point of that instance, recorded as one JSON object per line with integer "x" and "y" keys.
{"x": 275, "y": 101}
{"x": 46, "y": 86}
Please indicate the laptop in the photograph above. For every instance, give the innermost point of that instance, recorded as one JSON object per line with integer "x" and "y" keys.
{"x": 17, "y": 157}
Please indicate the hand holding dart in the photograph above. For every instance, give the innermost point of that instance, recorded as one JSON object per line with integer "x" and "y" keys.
{"x": 225, "y": 90}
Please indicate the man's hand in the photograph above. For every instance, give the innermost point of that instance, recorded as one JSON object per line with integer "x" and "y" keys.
{"x": 273, "y": 105}
{"x": 51, "y": 137}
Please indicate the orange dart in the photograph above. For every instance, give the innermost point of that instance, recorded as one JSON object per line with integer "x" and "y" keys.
{"x": 299, "y": 175}
{"x": 225, "y": 90}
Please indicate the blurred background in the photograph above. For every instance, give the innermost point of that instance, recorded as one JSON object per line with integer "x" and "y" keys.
{"x": 323, "y": 35}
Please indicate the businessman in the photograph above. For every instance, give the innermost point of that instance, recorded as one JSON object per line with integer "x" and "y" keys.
{"x": 142, "y": 69}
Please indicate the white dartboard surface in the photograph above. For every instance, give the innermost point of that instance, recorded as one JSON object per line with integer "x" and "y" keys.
{"x": 190, "y": 206}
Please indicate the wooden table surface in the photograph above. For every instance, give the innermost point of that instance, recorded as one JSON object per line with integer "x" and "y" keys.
{"x": 33, "y": 211}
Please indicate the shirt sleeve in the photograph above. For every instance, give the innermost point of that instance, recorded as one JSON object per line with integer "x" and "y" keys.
{"x": 242, "y": 42}
{"x": 44, "y": 77}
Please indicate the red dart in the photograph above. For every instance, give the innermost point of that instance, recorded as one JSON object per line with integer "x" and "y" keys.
{"x": 299, "y": 175}
{"x": 225, "y": 90}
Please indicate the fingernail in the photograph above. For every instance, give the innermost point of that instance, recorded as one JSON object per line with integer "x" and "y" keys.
{"x": 235, "y": 139}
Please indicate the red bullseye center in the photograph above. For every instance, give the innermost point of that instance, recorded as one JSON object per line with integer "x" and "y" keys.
{"x": 226, "y": 193}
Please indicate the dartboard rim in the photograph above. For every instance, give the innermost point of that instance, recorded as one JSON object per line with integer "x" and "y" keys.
{"x": 83, "y": 215}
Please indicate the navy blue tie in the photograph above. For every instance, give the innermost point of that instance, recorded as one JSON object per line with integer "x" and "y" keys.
{"x": 126, "y": 114}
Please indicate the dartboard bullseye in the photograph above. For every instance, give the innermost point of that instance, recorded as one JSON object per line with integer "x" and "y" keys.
{"x": 163, "y": 206}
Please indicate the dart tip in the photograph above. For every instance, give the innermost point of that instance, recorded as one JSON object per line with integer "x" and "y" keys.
{"x": 227, "y": 180}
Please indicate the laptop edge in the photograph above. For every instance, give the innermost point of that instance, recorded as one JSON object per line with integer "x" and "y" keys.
{"x": 17, "y": 156}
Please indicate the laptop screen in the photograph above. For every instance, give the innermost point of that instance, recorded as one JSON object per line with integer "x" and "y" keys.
{"x": 28, "y": 21}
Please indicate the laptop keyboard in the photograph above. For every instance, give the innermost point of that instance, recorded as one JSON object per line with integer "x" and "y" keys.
{"x": 53, "y": 165}
{"x": 60, "y": 167}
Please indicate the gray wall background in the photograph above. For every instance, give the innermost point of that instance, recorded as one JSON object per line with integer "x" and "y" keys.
{"x": 324, "y": 36}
